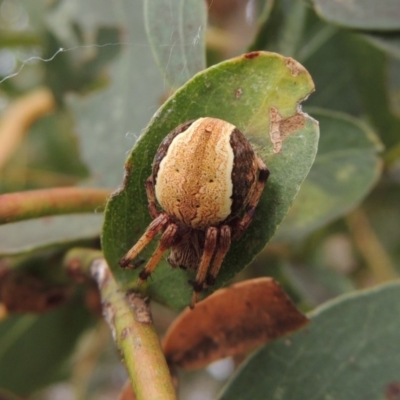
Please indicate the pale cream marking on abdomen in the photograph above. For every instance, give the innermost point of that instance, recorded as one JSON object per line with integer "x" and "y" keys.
{"x": 194, "y": 181}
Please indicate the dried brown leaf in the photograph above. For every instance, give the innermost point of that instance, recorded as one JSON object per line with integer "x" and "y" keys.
{"x": 230, "y": 322}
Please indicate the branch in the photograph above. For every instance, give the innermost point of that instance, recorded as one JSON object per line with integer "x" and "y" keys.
{"x": 19, "y": 39}
{"x": 129, "y": 318}
{"x": 40, "y": 203}
{"x": 18, "y": 118}
{"x": 370, "y": 247}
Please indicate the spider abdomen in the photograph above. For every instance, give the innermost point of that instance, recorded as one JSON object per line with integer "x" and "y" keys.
{"x": 204, "y": 172}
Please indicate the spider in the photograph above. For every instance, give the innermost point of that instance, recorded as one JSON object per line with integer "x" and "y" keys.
{"x": 208, "y": 181}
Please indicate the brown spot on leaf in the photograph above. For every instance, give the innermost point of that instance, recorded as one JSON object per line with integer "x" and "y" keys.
{"x": 140, "y": 308}
{"x": 230, "y": 322}
{"x": 392, "y": 391}
{"x": 280, "y": 127}
{"x": 238, "y": 93}
{"x": 252, "y": 55}
{"x": 295, "y": 67}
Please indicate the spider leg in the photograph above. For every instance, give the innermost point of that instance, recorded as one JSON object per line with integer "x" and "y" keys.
{"x": 209, "y": 248}
{"x": 166, "y": 241}
{"x": 151, "y": 198}
{"x": 244, "y": 223}
{"x": 224, "y": 243}
{"x": 152, "y": 230}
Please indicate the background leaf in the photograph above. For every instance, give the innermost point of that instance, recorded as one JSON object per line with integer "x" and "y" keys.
{"x": 24, "y": 236}
{"x": 242, "y": 91}
{"x": 361, "y": 14}
{"x": 372, "y": 83}
{"x": 345, "y": 169}
{"x": 389, "y": 42}
{"x": 325, "y": 57}
{"x": 109, "y": 121}
{"x": 350, "y": 350}
{"x": 178, "y": 43}
{"x": 34, "y": 349}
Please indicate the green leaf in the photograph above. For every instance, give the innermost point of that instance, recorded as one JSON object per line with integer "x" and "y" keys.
{"x": 389, "y": 42}
{"x": 109, "y": 121}
{"x": 346, "y": 168}
{"x": 394, "y": 85}
{"x": 176, "y": 33}
{"x": 320, "y": 47}
{"x": 383, "y": 213}
{"x": 282, "y": 27}
{"x": 361, "y": 14}
{"x": 34, "y": 349}
{"x": 350, "y": 350}
{"x": 242, "y": 91}
{"x": 26, "y": 236}
{"x": 324, "y": 55}
{"x": 81, "y": 70}
{"x": 373, "y": 86}
{"x": 265, "y": 14}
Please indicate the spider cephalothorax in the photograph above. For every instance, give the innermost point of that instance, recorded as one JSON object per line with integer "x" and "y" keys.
{"x": 208, "y": 181}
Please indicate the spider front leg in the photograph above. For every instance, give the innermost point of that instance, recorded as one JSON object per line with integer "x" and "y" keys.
{"x": 166, "y": 241}
{"x": 152, "y": 230}
{"x": 208, "y": 252}
{"x": 243, "y": 224}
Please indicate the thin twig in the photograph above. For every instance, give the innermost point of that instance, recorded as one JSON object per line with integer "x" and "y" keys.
{"x": 45, "y": 202}
{"x": 370, "y": 247}
{"x": 19, "y": 116}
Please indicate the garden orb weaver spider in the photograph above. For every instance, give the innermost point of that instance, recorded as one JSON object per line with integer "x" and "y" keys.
{"x": 208, "y": 181}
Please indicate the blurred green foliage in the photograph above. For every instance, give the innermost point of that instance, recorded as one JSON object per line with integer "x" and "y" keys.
{"x": 109, "y": 66}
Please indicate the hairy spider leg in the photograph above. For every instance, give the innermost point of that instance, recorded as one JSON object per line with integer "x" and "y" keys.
{"x": 156, "y": 226}
{"x": 151, "y": 197}
{"x": 224, "y": 243}
{"x": 208, "y": 252}
{"x": 166, "y": 241}
{"x": 243, "y": 224}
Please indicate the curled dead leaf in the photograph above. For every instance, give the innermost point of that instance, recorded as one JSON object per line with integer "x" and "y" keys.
{"x": 230, "y": 322}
